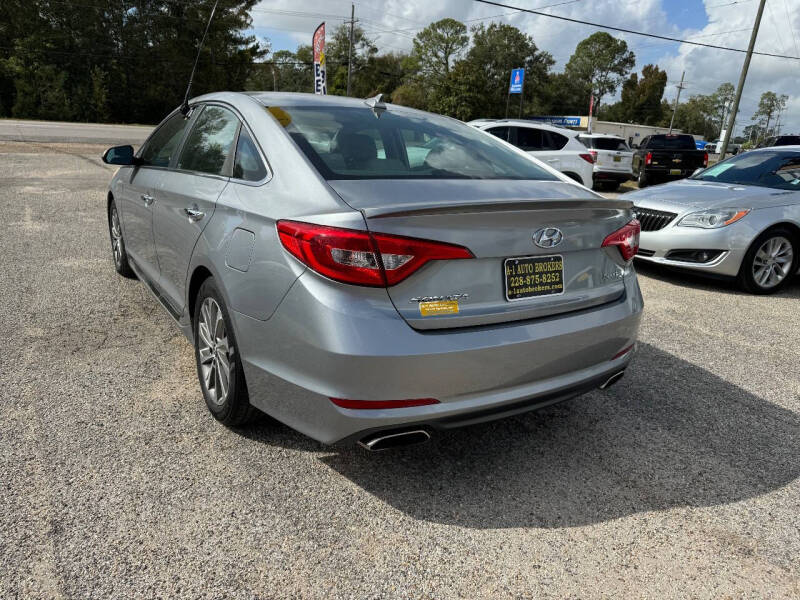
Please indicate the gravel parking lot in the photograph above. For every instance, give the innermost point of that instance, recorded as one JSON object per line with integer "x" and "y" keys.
{"x": 115, "y": 482}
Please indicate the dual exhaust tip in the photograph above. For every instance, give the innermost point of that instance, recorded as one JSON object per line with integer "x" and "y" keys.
{"x": 398, "y": 439}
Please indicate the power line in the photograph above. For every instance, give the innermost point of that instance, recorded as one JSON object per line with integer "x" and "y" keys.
{"x": 791, "y": 26}
{"x": 632, "y": 31}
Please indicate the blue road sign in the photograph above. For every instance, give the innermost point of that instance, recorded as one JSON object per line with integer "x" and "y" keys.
{"x": 517, "y": 79}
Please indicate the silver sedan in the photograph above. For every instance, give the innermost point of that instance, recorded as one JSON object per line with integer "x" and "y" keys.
{"x": 367, "y": 272}
{"x": 739, "y": 219}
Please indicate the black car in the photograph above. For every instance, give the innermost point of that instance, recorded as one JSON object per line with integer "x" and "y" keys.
{"x": 664, "y": 157}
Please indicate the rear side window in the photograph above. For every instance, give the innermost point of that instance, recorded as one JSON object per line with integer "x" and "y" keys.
{"x": 529, "y": 138}
{"x": 500, "y": 132}
{"x": 162, "y": 145}
{"x": 672, "y": 142}
{"x": 788, "y": 140}
{"x": 553, "y": 141}
{"x": 247, "y": 163}
{"x": 208, "y": 147}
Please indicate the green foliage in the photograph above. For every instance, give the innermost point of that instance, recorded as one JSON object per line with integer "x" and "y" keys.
{"x": 602, "y": 61}
{"x": 770, "y": 105}
{"x": 438, "y": 45}
{"x": 640, "y": 100}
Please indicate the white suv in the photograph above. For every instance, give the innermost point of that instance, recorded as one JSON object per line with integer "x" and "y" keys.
{"x": 613, "y": 159}
{"x": 554, "y": 146}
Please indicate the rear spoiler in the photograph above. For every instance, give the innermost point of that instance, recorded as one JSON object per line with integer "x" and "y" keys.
{"x": 462, "y": 207}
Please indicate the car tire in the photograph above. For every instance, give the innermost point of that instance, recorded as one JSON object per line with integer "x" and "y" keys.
{"x": 643, "y": 181}
{"x": 763, "y": 260}
{"x": 118, "y": 252}
{"x": 574, "y": 177}
{"x": 219, "y": 366}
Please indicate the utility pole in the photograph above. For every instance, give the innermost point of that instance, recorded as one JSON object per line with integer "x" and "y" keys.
{"x": 742, "y": 78}
{"x": 677, "y": 98}
{"x": 350, "y": 52}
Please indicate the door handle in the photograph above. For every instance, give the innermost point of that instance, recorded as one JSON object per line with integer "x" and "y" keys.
{"x": 552, "y": 160}
{"x": 147, "y": 199}
{"x": 194, "y": 213}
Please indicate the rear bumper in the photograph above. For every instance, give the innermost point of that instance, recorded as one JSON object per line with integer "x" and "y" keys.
{"x": 605, "y": 174}
{"x": 666, "y": 173}
{"x": 324, "y": 341}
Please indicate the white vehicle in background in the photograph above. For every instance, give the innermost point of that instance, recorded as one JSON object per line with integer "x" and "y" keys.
{"x": 613, "y": 159}
{"x": 555, "y": 146}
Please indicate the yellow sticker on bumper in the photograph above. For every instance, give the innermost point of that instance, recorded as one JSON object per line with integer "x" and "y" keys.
{"x": 440, "y": 307}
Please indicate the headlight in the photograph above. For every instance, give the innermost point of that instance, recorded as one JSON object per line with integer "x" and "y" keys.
{"x": 713, "y": 219}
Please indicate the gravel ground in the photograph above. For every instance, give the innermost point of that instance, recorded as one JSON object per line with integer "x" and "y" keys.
{"x": 681, "y": 481}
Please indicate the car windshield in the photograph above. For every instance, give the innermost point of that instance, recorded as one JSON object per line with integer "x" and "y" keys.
{"x": 359, "y": 143}
{"x": 778, "y": 170}
{"x": 672, "y": 142}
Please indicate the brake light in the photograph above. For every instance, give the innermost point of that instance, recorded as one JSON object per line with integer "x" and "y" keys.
{"x": 626, "y": 239}
{"x": 705, "y": 160}
{"x": 379, "y": 404}
{"x": 588, "y": 157}
{"x": 648, "y": 158}
{"x": 361, "y": 257}
{"x": 594, "y": 155}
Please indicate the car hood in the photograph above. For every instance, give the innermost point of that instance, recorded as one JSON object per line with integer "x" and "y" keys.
{"x": 689, "y": 194}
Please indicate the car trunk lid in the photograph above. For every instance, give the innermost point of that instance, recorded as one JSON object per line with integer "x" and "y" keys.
{"x": 497, "y": 221}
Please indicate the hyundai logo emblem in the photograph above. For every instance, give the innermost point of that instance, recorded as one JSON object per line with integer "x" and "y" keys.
{"x": 547, "y": 237}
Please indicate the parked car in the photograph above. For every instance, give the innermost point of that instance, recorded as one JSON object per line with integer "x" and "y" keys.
{"x": 738, "y": 219}
{"x": 613, "y": 159}
{"x": 715, "y": 147}
{"x": 780, "y": 140}
{"x": 664, "y": 157}
{"x": 357, "y": 290}
{"x": 555, "y": 146}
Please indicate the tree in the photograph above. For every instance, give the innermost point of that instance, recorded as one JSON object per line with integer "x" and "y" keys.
{"x": 480, "y": 81}
{"x": 337, "y": 48}
{"x": 769, "y": 106}
{"x": 723, "y": 101}
{"x": 438, "y": 45}
{"x": 697, "y": 115}
{"x": 600, "y": 62}
{"x": 640, "y": 99}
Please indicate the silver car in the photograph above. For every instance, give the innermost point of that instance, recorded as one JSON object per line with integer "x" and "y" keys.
{"x": 738, "y": 219}
{"x": 367, "y": 272}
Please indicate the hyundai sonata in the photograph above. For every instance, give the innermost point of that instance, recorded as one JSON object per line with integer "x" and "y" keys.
{"x": 366, "y": 272}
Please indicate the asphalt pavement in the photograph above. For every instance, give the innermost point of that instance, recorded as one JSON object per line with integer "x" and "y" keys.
{"x": 115, "y": 482}
{"x": 53, "y": 131}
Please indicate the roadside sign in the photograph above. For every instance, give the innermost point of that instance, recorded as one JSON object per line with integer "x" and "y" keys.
{"x": 318, "y": 46}
{"x": 517, "y": 79}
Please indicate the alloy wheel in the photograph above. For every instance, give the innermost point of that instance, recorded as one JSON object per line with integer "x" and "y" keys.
{"x": 116, "y": 237}
{"x": 773, "y": 262}
{"x": 214, "y": 351}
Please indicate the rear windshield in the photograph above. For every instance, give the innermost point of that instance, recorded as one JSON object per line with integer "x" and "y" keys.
{"x": 779, "y": 170}
{"x": 357, "y": 143}
{"x": 603, "y": 143}
{"x": 672, "y": 142}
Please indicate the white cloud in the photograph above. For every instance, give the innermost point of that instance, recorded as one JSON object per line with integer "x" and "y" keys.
{"x": 393, "y": 24}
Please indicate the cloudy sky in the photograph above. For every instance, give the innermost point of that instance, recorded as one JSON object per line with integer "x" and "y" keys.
{"x": 393, "y": 24}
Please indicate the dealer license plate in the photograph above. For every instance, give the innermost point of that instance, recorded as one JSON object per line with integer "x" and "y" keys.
{"x": 531, "y": 276}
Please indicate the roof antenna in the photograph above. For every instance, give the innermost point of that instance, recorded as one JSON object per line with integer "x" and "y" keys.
{"x": 376, "y": 104}
{"x": 185, "y": 110}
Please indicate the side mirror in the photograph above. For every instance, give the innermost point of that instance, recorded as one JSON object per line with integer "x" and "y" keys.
{"x": 119, "y": 155}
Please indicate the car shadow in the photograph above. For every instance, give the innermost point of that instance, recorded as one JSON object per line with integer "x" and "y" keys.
{"x": 690, "y": 279}
{"x": 669, "y": 434}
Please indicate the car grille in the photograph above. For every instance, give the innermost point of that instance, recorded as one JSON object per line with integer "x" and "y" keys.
{"x": 653, "y": 220}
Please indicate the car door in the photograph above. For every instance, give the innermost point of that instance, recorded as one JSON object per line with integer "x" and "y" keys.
{"x": 186, "y": 195}
{"x": 138, "y": 193}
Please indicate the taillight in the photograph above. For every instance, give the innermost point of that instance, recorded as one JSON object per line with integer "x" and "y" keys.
{"x": 626, "y": 239}
{"x": 361, "y": 257}
{"x": 380, "y": 404}
{"x": 594, "y": 155}
{"x": 648, "y": 158}
{"x": 705, "y": 160}
{"x": 588, "y": 157}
